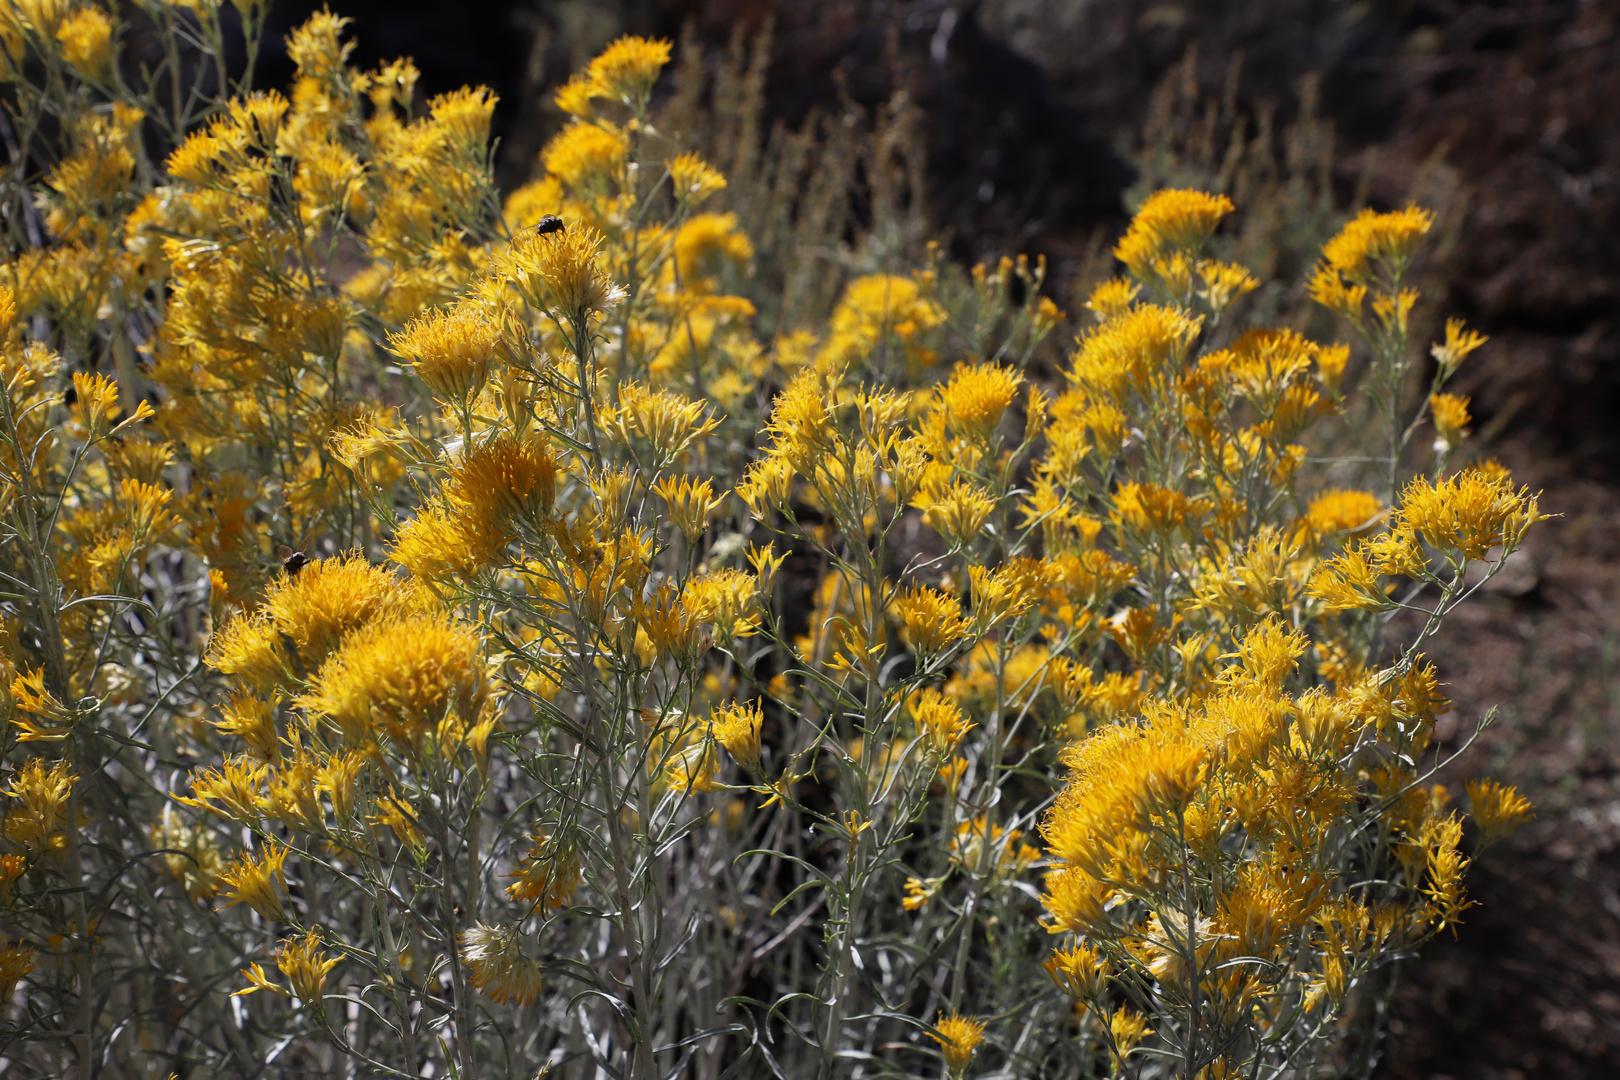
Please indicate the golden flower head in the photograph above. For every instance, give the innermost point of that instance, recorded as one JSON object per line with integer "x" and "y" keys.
{"x": 252, "y": 719}
{"x": 1128, "y": 1029}
{"x": 314, "y": 610}
{"x": 496, "y": 964}
{"x": 306, "y": 966}
{"x": 627, "y": 69}
{"x": 1079, "y": 971}
{"x": 257, "y": 880}
{"x": 1170, "y": 221}
{"x": 504, "y": 479}
{"x": 933, "y": 619}
{"x": 940, "y": 721}
{"x": 1224, "y": 283}
{"x": 1458, "y": 344}
{"x": 959, "y": 1038}
{"x": 560, "y": 273}
{"x": 976, "y": 397}
{"x": 1113, "y": 297}
{"x": 450, "y": 350}
{"x": 586, "y": 154}
{"x": 42, "y": 788}
{"x": 1471, "y": 512}
{"x": 404, "y": 676}
{"x": 86, "y": 40}
{"x": 736, "y": 727}
{"x": 1450, "y": 414}
{"x": 1343, "y": 511}
{"x": 960, "y": 512}
{"x": 1497, "y": 809}
{"x": 574, "y": 96}
{"x": 1373, "y": 238}
{"x": 693, "y": 178}
{"x": 689, "y": 504}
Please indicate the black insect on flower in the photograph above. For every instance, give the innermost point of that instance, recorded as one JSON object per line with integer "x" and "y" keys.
{"x": 549, "y": 224}
{"x": 291, "y": 561}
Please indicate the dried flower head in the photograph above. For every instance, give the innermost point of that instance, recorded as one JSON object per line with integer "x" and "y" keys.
{"x": 549, "y": 874}
{"x": 693, "y": 178}
{"x": 496, "y": 964}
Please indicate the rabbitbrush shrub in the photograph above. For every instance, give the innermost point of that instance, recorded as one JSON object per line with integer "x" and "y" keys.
{"x": 453, "y": 637}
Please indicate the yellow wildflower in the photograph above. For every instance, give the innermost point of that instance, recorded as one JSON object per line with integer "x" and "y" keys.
{"x": 976, "y": 397}
{"x": 959, "y": 1038}
{"x": 1458, "y": 344}
{"x": 1170, "y": 221}
{"x": 933, "y": 619}
{"x": 306, "y": 966}
{"x": 583, "y": 154}
{"x": 736, "y": 727}
{"x": 1127, "y": 1029}
{"x": 401, "y": 676}
{"x": 1112, "y": 298}
{"x": 257, "y": 880}
{"x": 252, "y": 719}
{"x": 1343, "y": 511}
{"x": 1373, "y": 237}
{"x": 692, "y": 178}
{"x": 627, "y": 69}
{"x": 1497, "y": 809}
{"x": 1470, "y": 512}
{"x": 450, "y": 350}
{"x": 1450, "y": 413}
{"x": 42, "y": 788}
{"x": 1079, "y": 971}
{"x": 502, "y": 480}
{"x": 560, "y": 273}
{"x": 689, "y": 504}
{"x": 960, "y": 512}
{"x": 941, "y": 722}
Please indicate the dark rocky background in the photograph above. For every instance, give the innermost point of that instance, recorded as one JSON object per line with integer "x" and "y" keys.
{"x": 1512, "y": 109}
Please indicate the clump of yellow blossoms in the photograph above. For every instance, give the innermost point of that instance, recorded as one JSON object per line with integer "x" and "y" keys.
{"x": 515, "y": 640}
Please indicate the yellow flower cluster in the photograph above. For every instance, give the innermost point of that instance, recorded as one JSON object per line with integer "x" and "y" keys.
{"x": 435, "y": 537}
